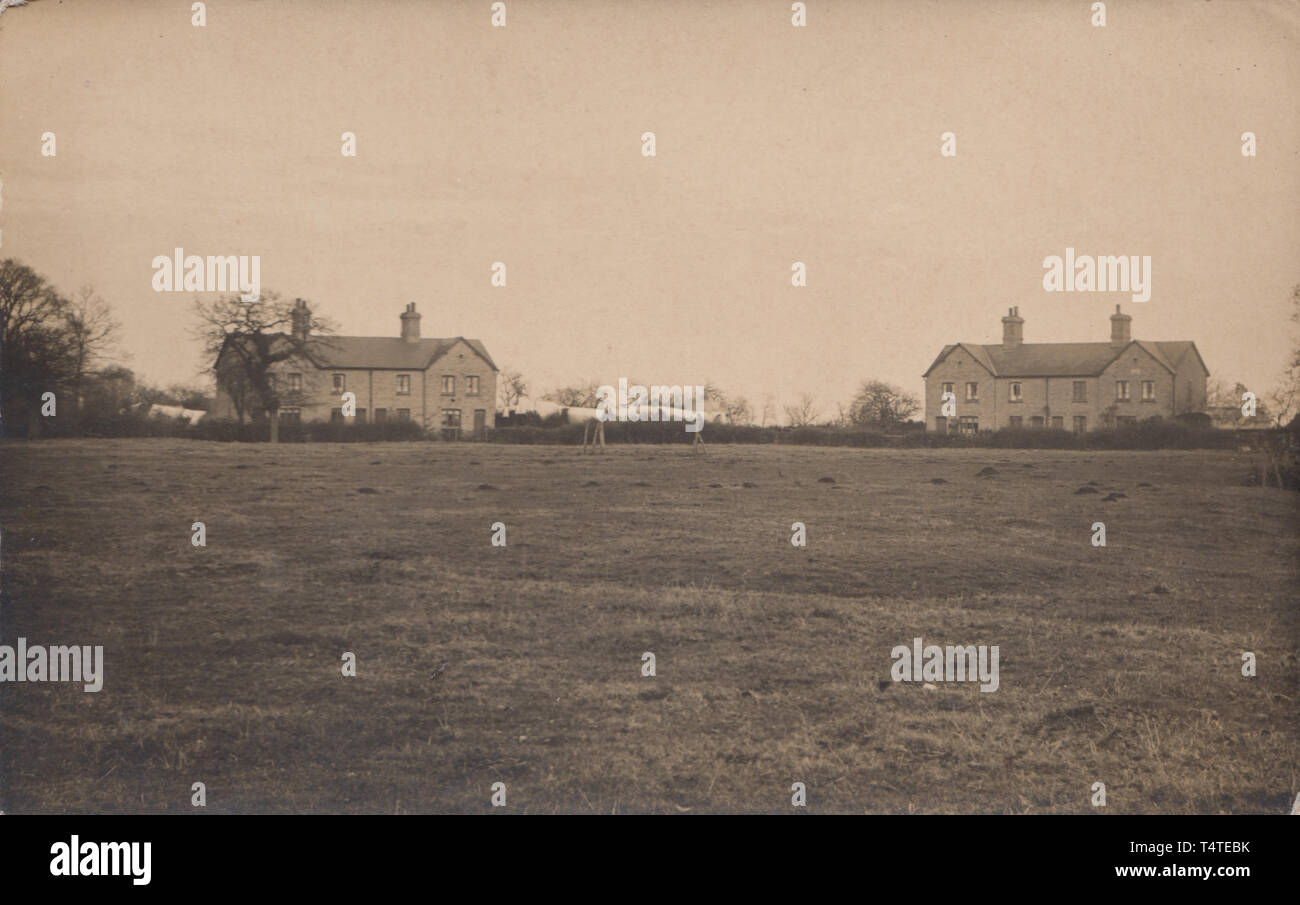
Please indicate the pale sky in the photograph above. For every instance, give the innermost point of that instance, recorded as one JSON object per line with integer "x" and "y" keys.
{"x": 775, "y": 144}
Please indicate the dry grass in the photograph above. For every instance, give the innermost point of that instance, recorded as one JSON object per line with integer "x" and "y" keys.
{"x": 1119, "y": 665}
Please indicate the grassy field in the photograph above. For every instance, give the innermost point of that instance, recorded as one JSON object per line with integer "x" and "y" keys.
{"x": 1119, "y": 664}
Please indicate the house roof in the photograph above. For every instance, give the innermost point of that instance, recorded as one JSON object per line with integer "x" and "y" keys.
{"x": 387, "y": 351}
{"x": 1062, "y": 359}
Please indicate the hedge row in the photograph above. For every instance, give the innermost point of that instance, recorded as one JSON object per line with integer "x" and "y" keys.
{"x": 134, "y": 425}
{"x": 1146, "y": 435}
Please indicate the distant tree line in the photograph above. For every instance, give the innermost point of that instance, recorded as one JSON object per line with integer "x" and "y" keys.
{"x": 877, "y": 405}
{"x": 59, "y": 368}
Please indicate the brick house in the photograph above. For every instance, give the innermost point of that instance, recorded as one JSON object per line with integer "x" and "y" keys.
{"x": 1070, "y": 386}
{"x": 449, "y": 384}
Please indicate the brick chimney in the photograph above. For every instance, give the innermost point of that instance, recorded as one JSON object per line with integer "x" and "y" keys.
{"x": 300, "y": 317}
{"x": 411, "y": 324}
{"x": 1120, "y": 333}
{"x": 1013, "y": 328}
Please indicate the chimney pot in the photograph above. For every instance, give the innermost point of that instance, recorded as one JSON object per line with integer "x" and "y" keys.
{"x": 1120, "y": 328}
{"x": 300, "y": 319}
{"x": 1013, "y": 328}
{"x": 411, "y": 323}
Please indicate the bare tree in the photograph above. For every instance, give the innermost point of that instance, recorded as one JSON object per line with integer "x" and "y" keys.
{"x": 883, "y": 404}
{"x": 27, "y": 302}
{"x": 1225, "y": 405}
{"x": 92, "y": 332}
{"x": 37, "y": 352}
{"x": 246, "y": 340}
{"x": 1283, "y": 403}
{"x": 738, "y": 411}
{"x": 577, "y": 396}
{"x": 768, "y": 411}
{"x": 1217, "y": 393}
{"x": 510, "y": 388}
{"x": 735, "y": 408}
{"x": 804, "y": 412}
{"x": 1285, "y": 399}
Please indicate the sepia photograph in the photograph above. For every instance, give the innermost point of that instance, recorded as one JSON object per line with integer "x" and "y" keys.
{"x": 562, "y": 407}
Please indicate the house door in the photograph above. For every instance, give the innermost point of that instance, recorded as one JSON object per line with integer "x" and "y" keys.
{"x": 480, "y": 423}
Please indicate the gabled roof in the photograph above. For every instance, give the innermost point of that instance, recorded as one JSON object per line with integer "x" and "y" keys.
{"x": 1063, "y": 359}
{"x": 387, "y": 351}
{"x": 1177, "y": 351}
{"x": 976, "y": 352}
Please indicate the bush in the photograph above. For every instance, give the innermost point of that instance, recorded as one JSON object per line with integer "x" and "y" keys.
{"x": 1196, "y": 420}
{"x": 1021, "y": 438}
{"x": 1151, "y": 434}
{"x": 1155, "y": 434}
{"x": 568, "y": 435}
{"x": 129, "y": 423}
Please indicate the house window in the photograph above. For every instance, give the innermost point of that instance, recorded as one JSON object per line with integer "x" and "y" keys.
{"x": 1058, "y": 422}
{"x": 295, "y": 383}
{"x": 403, "y": 414}
{"x": 1016, "y": 422}
{"x": 361, "y": 416}
{"x": 403, "y": 384}
{"x": 381, "y": 415}
{"x": 448, "y": 385}
{"x": 1121, "y": 390}
{"x": 947, "y": 388}
{"x": 970, "y": 424}
{"x": 1148, "y": 391}
{"x": 1080, "y": 423}
{"x": 1126, "y": 420}
{"x": 471, "y": 386}
{"x": 451, "y": 418}
{"x": 290, "y": 415}
{"x": 340, "y": 383}
{"x": 1017, "y": 393}
{"x": 1036, "y": 422}
{"x": 336, "y": 415}
{"x": 972, "y": 392}
{"x": 1081, "y": 391}
{"x": 941, "y": 424}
